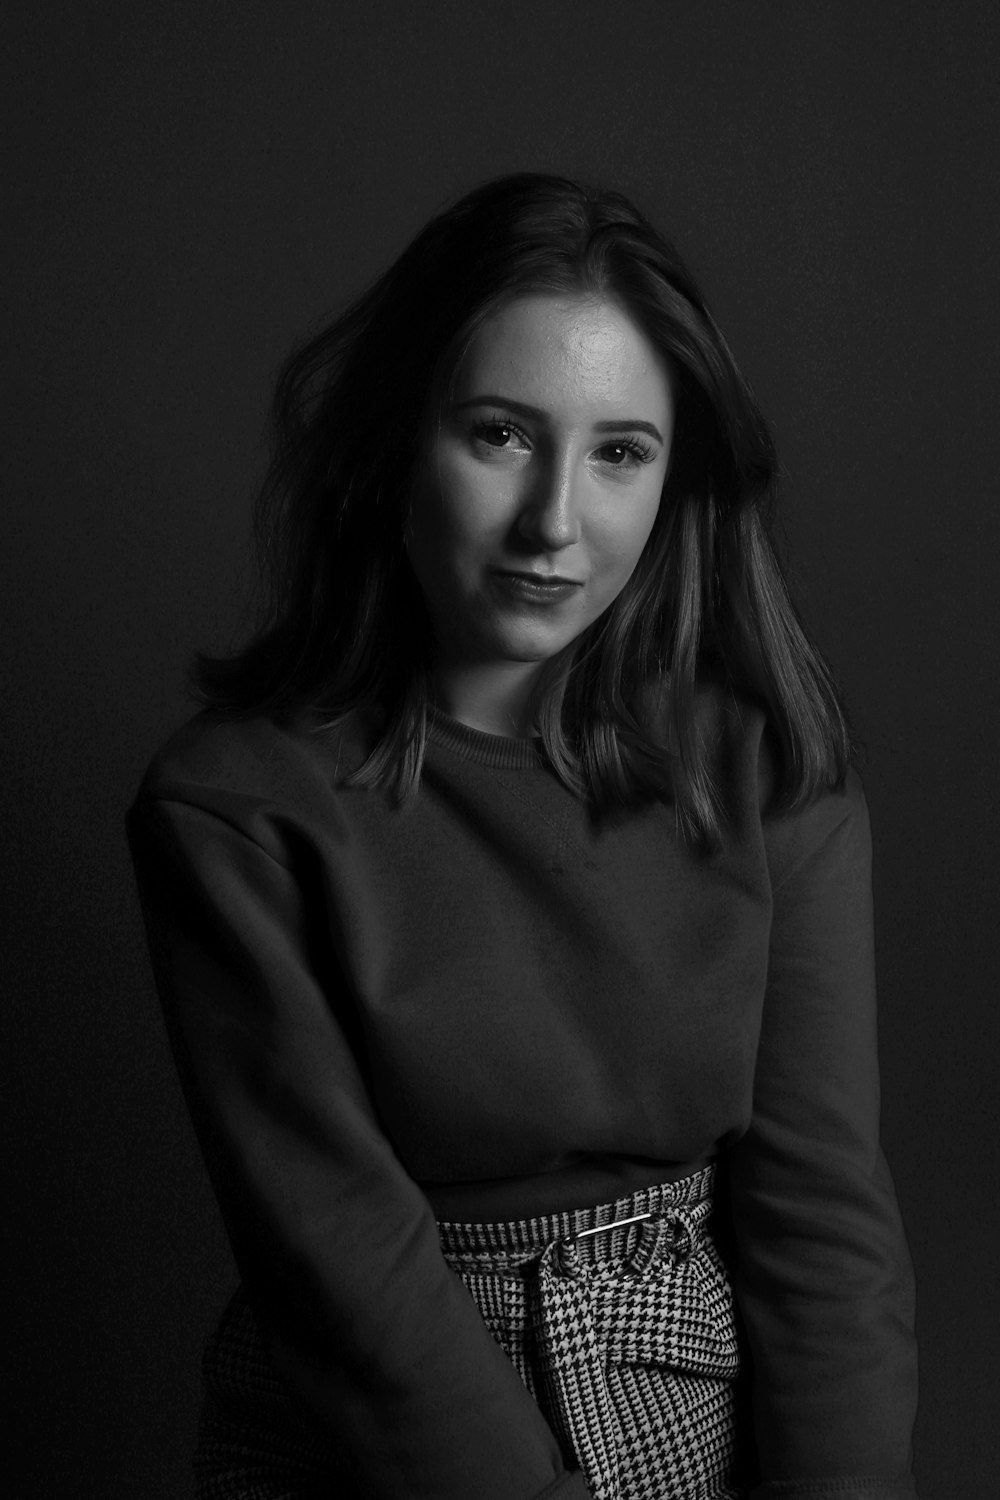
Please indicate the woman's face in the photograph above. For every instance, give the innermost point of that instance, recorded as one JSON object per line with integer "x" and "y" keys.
{"x": 549, "y": 463}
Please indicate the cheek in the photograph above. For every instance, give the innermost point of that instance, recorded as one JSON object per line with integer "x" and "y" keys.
{"x": 448, "y": 526}
{"x": 433, "y": 518}
{"x": 626, "y": 532}
{"x": 463, "y": 507}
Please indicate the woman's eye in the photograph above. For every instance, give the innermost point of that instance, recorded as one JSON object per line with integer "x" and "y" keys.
{"x": 498, "y": 434}
{"x": 624, "y": 455}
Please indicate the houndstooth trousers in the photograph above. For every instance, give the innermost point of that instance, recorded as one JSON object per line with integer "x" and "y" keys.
{"x": 619, "y": 1320}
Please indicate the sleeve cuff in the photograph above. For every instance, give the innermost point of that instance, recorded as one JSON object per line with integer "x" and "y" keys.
{"x": 858, "y": 1487}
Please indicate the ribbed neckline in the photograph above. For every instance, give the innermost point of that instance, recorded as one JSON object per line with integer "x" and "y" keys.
{"x": 496, "y": 750}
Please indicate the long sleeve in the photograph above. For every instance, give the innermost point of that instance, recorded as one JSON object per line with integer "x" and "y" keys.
{"x": 335, "y": 1242}
{"x": 823, "y": 1275}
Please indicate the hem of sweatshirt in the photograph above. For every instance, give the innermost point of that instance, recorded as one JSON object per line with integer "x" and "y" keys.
{"x": 850, "y": 1487}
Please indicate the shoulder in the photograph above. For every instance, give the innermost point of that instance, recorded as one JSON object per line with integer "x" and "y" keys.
{"x": 733, "y": 736}
{"x": 252, "y": 771}
{"x": 825, "y": 833}
{"x": 744, "y": 750}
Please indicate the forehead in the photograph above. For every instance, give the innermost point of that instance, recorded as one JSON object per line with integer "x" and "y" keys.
{"x": 561, "y": 352}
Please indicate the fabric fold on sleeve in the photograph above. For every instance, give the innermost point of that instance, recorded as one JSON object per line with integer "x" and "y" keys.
{"x": 336, "y": 1244}
{"x": 822, "y": 1275}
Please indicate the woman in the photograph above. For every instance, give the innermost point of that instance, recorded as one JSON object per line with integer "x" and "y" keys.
{"x": 514, "y": 885}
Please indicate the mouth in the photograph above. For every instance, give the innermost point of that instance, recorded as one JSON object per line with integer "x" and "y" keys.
{"x": 542, "y": 580}
{"x": 536, "y": 588}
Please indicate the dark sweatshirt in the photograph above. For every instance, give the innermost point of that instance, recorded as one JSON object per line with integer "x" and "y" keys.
{"x": 487, "y": 1004}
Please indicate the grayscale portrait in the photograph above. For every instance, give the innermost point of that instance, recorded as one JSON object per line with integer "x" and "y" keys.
{"x": 499, "y": 777}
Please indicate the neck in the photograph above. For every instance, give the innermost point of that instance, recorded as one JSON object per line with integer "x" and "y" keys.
{"x": 495, "y": 697}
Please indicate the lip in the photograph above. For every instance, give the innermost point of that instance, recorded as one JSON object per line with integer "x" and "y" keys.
{"x": 542, "y": 590}
{"x": 541, "y": 580}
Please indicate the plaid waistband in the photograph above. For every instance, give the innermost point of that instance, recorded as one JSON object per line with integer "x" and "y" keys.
{"x": 678, "y": 1212}
{"x": 582, "y": 1301}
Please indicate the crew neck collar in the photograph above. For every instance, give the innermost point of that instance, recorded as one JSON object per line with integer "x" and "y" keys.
{"x": 497, "y": 750}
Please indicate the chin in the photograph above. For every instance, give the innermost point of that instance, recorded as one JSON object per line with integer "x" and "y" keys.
{"x": 534, "y": 645}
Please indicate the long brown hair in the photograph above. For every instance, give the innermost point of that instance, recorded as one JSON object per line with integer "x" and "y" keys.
{"x": 343, "y": 623}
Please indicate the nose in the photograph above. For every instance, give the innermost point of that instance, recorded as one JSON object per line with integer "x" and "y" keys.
{"x": 549, "y": 515}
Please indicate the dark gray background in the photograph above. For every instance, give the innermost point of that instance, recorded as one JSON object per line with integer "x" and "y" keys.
{"x": 195, "y": 184}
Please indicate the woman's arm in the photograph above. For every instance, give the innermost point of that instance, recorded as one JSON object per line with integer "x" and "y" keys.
{"x": 336, "y": 1245}
{"x": 823, "y": 1274}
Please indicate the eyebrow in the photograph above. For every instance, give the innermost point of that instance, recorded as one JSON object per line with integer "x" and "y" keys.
{"x": 521, "y": 409}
